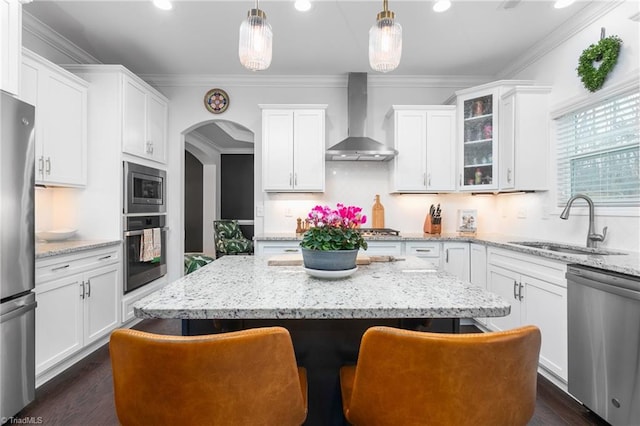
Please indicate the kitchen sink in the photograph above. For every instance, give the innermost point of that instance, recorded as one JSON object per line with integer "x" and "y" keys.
{"x": 565, "y": 248}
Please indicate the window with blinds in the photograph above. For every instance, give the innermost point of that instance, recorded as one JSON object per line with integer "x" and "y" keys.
{"x": 598, "y": 148}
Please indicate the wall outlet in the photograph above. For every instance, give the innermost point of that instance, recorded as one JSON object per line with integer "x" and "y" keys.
{"x": 259, "y": 211}
{"x": 522, "y": 213}
{"x": 288, "y": 212}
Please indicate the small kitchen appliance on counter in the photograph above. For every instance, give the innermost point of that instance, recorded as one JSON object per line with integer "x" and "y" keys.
{"x": 17, "y": 256}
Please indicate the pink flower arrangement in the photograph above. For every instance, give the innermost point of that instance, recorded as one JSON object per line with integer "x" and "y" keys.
{"x": 343, "y": 216}
{"x": 334, "y": 229}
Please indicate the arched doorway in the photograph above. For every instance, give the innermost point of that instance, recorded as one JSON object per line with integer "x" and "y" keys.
{"x": 218, "y": 172}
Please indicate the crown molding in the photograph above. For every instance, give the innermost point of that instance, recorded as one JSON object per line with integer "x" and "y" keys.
{"x": 314, "y": 81}
{"x": 48, "y": 35}
{"x": 581, "y": 20}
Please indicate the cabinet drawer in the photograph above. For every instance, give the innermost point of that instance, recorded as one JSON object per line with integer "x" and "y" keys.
{"x": 65, "y": 265}
{"x": 421, "y": 249}
{"x": 528, "y": 264}
{"x": 385, "y": 248}
{"x": 278, "y": 247}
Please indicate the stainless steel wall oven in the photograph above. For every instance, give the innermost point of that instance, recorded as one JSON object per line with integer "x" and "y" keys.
{"x": 144, "y": 189}
{"x": 140, "y": 269}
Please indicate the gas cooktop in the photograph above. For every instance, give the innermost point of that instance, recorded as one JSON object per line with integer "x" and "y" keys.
{"x": 368, "y": 232}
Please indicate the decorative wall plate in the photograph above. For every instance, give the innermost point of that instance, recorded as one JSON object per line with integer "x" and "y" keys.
{"x": 216, "y": 101}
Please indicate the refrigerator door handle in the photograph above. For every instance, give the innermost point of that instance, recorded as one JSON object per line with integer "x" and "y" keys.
{"x": 17, "y": 312}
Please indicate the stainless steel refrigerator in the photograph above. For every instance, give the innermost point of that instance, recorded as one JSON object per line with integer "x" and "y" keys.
{"x": 17, "y": 255}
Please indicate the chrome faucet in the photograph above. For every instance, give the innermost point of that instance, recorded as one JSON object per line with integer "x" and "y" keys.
{"x": 592, "y": 237}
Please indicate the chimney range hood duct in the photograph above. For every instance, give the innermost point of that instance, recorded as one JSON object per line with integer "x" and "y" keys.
{"x": 358, "y": 147}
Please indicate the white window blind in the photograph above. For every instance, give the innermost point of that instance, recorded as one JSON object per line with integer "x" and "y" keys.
{"x": 598, "y": 148}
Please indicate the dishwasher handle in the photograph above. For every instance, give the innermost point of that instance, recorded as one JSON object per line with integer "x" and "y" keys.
{"x": 599, "y": 285}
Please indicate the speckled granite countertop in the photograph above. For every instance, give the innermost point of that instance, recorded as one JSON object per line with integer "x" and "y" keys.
{"x": 46, "y": 249}
{"x": 627, "y": 263}
{"x": 246, "y": 287}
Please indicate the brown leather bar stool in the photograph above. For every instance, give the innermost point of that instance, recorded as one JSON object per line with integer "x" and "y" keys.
{"x": 416, "y": 378}
{"x": 245, "y": 377}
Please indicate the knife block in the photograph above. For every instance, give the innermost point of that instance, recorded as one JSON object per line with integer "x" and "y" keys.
{"x": 431, "y": 228}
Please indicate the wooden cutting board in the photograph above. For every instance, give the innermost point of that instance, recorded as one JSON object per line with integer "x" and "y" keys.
{"x": 296, "y": 260}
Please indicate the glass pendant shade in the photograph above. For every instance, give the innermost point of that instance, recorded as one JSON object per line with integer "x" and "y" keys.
{"x": 385, "y": 42}
{"x": 256, "y": 39}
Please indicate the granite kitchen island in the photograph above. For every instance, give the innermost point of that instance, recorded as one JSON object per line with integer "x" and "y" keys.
{"x": 326, "y": 318}
{"x": 246, "y": 287}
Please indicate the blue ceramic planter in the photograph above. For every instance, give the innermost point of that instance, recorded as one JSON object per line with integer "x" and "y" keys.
{"x": 329, "y": 260}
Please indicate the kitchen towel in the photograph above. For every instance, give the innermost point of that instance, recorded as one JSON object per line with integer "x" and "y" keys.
{"x": 157, "y": 245}
{"x": 146, "y": 245}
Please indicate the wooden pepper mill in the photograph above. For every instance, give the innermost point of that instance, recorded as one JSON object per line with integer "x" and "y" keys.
{"x": 377, "y": 216}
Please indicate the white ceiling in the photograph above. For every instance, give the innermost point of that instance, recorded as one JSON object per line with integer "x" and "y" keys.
{"x": 201, "y": 37}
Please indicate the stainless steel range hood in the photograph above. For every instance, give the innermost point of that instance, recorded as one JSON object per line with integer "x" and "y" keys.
{"x": 358, "y": 147}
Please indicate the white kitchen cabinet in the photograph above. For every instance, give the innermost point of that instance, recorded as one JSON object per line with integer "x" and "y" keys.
{"x": 478, "y": 269}
{"x": 59, "y": 318}
{"x": 293, "y": 148}
{"x": 106, "y": 131}
{"x": 536, "y": 289}
{"x": 10, "y": 45}
{"x": 78, "y": 299}
{"x": 455, "y": 259}
{"x": 524, "y": 139}
{"x": 424, "y": 137}
{"x": 60, "y": 99}
{"x": 479, "y": 137}
{"x": 144, "y": 120}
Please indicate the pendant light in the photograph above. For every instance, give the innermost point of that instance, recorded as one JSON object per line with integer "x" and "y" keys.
{"x": 385, "y": 42}
{"x": 256, "y": 39}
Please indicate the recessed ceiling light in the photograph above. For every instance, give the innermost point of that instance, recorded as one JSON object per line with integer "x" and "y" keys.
{"x": 163, "y": 4}
{"x": 441, "y": 5}
{"x": 302, "y": 5}
{"x": 560, "y": 4}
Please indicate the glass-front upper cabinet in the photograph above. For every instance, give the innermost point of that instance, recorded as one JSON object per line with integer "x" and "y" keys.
{"x": 478, "y": 141}
{"x": 478, "y": 154}
{"x": 479, "y": 134}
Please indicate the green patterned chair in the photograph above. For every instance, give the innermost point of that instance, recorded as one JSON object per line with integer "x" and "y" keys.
{"x": 193, "y": 261}
{"x": 229, "y": 239}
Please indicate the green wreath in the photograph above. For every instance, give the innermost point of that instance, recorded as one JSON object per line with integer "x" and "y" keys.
{"x": 606, "y": 51}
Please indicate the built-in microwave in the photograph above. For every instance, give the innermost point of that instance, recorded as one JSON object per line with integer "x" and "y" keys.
{"x": 144, "y": 189}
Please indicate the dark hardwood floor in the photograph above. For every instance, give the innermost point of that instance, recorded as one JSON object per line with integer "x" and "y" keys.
{"x": 83, "y": 395}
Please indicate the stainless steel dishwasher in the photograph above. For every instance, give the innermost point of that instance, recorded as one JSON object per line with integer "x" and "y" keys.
{"x": 604, "y": 342}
